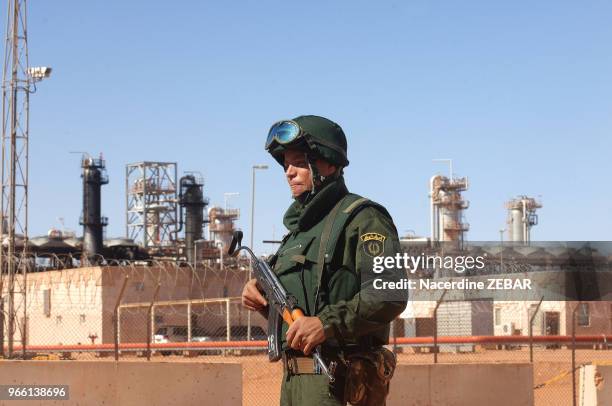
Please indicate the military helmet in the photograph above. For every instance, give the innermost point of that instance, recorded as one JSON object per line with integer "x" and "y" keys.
{"x": 318, "y": 136}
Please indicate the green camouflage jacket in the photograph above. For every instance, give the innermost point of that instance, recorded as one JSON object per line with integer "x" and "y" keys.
{"x": 351, "y": 311}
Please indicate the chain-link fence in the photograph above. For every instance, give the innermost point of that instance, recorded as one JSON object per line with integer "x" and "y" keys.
{"x": 556, "y": 337}
{"x": 162, "y": 310}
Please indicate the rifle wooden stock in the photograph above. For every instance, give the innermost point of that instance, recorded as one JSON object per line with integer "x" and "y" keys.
{"x": 291, "y": 316}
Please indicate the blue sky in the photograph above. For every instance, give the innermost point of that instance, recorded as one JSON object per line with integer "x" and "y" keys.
{"x": 517, "y": 93}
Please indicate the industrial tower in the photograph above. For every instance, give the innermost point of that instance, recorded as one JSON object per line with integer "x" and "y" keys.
{"x": 447, "y": 206}
{"x": 94, "y": 176}
{"x": 521, "y": 217}
{"x": 192, "y": 202}
{"x": 18, "y": 81}
{"x": 152, "y": 209}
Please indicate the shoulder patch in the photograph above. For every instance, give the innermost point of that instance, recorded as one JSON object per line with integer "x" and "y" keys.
{"x": 373, "y": 243}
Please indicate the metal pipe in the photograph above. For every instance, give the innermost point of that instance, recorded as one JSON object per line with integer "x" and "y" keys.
{"x": 3, "y": 223}
{"x": 175, "y": 207}
{"x": 435, "y": 332}
{"x": 189, "y": 321}
{"x": 574, "y": 354}
{"x": 501, "y": 250}
{"x": 221, "y": 249}
{"x": 228, "y": 325}
{"x": 26, "y": 217}
{"x": 531, "y": 319}
{"x": 252, "y": 239}
{"x": 145, "y": 211}
{"x": 431, "y": 211}
{"x": 151, "y": 321}
{"x": 127, "y": 202}
{"x": 227, "y": 318}
{"x": 254, "y": 344}
{"x": 24, "y": 331}
{"x": 525, "y": 228}
{"x": 116, "y": 316}
{"x": 431, "y": 208}
{"x": 1, "y": 317}
{"x": 251, "y": 245}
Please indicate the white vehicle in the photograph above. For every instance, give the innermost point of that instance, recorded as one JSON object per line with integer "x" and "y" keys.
{"x": 199, "y": 335}
{"x": 178, "y": 334}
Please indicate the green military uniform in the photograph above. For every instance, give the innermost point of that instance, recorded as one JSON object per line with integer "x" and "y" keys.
{"x": 326, "y": 263}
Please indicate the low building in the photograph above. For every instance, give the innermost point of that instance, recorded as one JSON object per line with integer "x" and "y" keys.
{"x": 76, "y": 306}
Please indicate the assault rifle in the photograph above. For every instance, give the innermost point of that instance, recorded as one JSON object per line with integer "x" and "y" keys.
{"x": 281, "y": 304}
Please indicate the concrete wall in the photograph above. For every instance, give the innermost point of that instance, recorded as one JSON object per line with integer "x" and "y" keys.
{"x": 76, "y": 300}
{"x": 83, "y": 300}
{"x": 129, "y": 383}
{"x": 75, "y": 304}
{"x": 462, "y": 384}
{"x": 595, "y": 385}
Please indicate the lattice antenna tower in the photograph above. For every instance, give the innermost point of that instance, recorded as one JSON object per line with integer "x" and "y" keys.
{"x": 17, "y": 83}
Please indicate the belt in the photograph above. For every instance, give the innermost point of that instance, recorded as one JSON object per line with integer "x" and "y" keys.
{"x": 295, "y": 362}
{"x": 300, "y": 365}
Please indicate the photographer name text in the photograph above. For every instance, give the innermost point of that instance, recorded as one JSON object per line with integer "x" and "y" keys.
{"x": 463, "y": 284}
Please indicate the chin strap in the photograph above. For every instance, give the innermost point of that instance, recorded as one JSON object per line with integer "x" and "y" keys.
{"x": 318, "y": 181}
{"x": 315, "y": 177}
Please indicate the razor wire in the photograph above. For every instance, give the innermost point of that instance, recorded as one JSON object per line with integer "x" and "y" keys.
{"x": 81, "y": 297}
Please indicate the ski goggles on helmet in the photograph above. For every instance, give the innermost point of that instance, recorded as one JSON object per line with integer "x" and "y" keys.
{"x": 284, "y": 132}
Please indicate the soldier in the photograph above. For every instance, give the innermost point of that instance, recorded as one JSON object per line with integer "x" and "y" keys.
{"x": 325, "y": 262}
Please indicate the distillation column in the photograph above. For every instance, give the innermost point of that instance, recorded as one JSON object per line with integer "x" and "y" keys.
{"x": 94, "y": 176}
{"x": 521, "y": 217}
{"x": 222, "y": 226}
{"x": 192, "y": 202}
{"x": 447, "y": 205}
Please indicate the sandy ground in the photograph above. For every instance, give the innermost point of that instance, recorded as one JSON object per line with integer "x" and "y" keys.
{"x": 261, "y": 379}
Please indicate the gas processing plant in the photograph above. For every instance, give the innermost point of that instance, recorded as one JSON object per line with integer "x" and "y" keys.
{"x": 167, "y": 289}
{"x": 171, "y": 269}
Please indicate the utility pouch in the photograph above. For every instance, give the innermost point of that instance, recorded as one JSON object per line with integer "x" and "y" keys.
{"x": 368, "y": 374}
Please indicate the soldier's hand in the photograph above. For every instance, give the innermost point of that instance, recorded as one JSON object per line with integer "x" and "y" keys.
{"x": 252, "y": 298}
{"x": 305, "y": 334}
